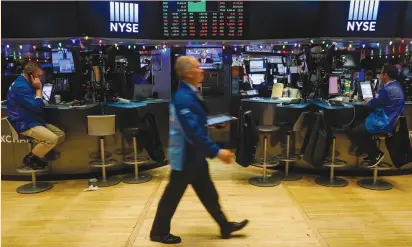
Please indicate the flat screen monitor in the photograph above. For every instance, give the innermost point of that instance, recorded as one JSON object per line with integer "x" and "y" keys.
{"x": 62, "y": 60}
{"x": 47, "y": 92}
{"x": 351, "y": 61}
{"x": 142, "y": 91}
{"x": 256, "y": 79}
{"x": 209, "y": 58}
{"x": 333, "y": 85}
{"x": 258, "y": 65}
{"x": 366, "y": 89}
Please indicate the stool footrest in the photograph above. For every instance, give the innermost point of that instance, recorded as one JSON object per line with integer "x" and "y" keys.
{"x": 98, "y": 163}
{"x": 291, "y": 158}
{"x": 382, "y": 166}
{"x": 269, "y": 163}
{"x": 32, "y": 171}
{"x": 140, "y": 160}
{"x": 336, "y": 164}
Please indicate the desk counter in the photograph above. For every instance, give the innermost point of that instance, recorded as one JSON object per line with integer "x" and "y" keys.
{"x": 270, "y": 112}
{"x": 77, "y": 149}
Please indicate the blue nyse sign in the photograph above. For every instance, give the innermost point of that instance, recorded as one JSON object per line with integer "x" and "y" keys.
{"x": 124, "y": 17}
{"x": 362, "y": 15}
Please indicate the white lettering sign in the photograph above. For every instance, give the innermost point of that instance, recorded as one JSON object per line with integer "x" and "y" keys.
{"x": 124, "y": 17}
{"x": 362, "y": 15}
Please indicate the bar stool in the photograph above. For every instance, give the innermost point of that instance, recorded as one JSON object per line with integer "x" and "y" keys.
{"x": 101, "y": 126}
{"x": 288, "y": 157}
{"x": 375, "y": 183}
{"x": 34, "y": 186}
{"x": 333, "y": 181}
{"x": 136, "y": 178}
{"x": 265, "y": 180}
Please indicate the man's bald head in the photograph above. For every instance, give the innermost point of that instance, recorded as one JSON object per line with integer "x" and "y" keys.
{"x": 187, "y": 69}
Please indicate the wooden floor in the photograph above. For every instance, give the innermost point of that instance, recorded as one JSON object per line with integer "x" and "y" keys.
{"x": 300, "y": 214}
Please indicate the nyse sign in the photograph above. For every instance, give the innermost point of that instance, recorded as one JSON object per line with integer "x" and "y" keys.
{"x": 362, "y": 15}
{"x": 124, "y": 17}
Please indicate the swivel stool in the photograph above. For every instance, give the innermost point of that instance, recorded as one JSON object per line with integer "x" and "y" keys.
{"x": 287, "y": 157}
{"x": 374, "y": 183}
{"x": 101, "y": 126}
{"x": 333, "y": 181}
{"x": 137, "y": 177}
{"x": 34, "y": 186}
{"x": 265, "y": 180}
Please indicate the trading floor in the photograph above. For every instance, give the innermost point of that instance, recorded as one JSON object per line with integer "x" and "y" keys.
{"x": 300, "y": 214}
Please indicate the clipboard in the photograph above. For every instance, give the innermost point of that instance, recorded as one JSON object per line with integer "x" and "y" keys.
{"x": 219, "y": 119}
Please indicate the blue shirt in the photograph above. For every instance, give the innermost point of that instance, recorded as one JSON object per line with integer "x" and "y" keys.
{"x": 392, "y": 99}
{"x": 24, "y": 108}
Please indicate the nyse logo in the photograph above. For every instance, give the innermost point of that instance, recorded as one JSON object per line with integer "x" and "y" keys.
{"x": 362, "y": 15}
{"x": 124, "y": 17}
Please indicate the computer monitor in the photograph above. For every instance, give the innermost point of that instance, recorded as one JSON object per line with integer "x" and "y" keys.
{"x": 208, "y": 57}
{"x": 47, "y": 92}
{"x": 333, "y": 85}
{"x": 258, "y": 65}
{"x": 256, "y": 79}
{"x": 366, "y": 90}
{"x": 62, "y": 60}
{"x": 142, "y": 91}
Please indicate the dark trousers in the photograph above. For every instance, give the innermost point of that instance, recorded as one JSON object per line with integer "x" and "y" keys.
{"x": 179, "y": 180}
{"x": 363, "y": 140}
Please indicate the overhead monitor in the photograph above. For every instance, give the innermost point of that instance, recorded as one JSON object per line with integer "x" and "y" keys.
{"x": 258, "y": 65}
{"x": 203, "y": 19}
{"x": 62, "y": 60}
{"x": 209, "y": 58}
{"x": 333, "y": 85}
{"x": 256, "y": 79}
{"x": 366, "y": 89}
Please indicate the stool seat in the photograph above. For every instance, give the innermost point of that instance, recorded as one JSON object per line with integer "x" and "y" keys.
{"x": 268, "y": 129}
{"x": 134, "y": 131}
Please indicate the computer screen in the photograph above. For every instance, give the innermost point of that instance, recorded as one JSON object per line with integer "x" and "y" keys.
{"x": 258, "y": 65}
{"x": 47, "y": 91}
{"x": 209, "y": 58}
{"x": 62, "y": 60}
{"x": 333, "y": 85}
{"x": 366, "y": 90}
{"x": 256, "y": 79}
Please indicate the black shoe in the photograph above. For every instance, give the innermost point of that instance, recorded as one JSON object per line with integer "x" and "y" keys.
{"x": 41, "y": 164}
{"x": 30, "y": 161}
{"x": 233, "y": 227}
{"x": 376, "y": 160}
{"x": 166, "y": 239}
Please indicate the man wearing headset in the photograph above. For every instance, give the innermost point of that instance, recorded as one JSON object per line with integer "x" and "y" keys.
{"x": 25, "y": 113}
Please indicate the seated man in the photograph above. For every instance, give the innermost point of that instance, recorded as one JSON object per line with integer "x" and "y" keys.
{"x": 391, "y": 99}
{"x": 25, "y": 113}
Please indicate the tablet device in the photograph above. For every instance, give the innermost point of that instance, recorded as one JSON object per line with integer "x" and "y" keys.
{"x": 215, "y": 120}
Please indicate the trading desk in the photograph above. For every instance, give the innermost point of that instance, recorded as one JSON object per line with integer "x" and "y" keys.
{"x": 75, "y": 151}
{"x": 272, "y": 111}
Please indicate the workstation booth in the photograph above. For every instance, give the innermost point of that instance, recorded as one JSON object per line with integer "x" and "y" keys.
{"x": 109, "y": 78}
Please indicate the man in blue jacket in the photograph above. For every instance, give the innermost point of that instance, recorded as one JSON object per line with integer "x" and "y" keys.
{"x": 189, "y": 146}
{"x": 25, "y": 113}
{"x": 390, "y": 103}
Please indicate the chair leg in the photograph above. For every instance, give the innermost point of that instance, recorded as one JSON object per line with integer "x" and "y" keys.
{"x": 289, "y": 176}
{"x": 332, "y": 181}
{"x": 136, "y": 178}
{"x": 104, "y": 182}
{"x": 265, "y": 181}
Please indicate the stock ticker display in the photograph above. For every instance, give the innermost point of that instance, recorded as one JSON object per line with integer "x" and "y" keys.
{"x": 201, "y": 19}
